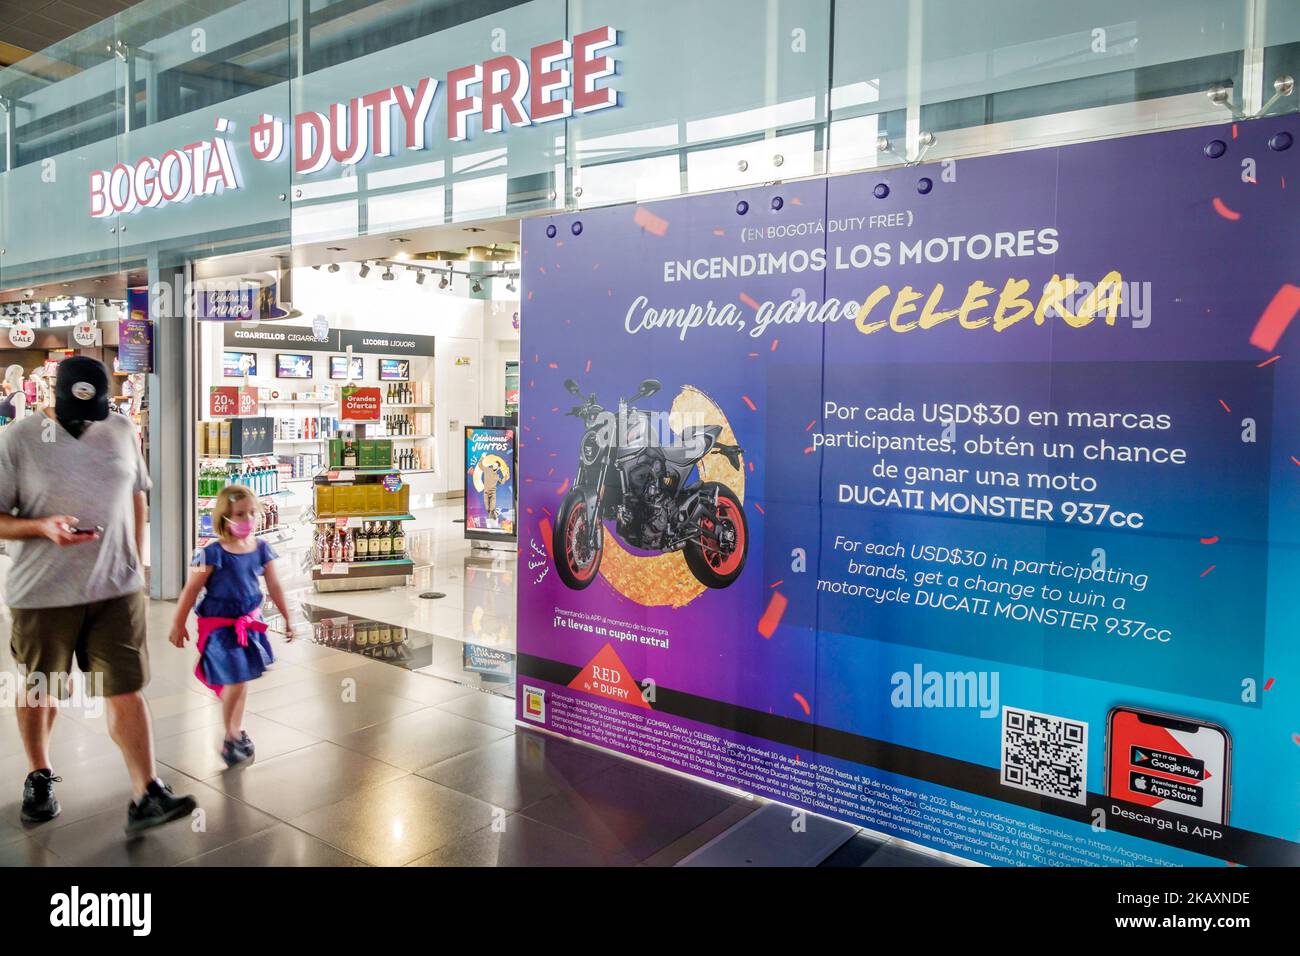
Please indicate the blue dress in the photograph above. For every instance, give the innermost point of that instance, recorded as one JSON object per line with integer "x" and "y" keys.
{"x": 233, "y": 590}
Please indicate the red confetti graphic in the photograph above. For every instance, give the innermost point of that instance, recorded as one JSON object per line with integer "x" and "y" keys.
{"x": 775, "y": 343}
{"x": 563, "y": 488}
{"x": 1225, "y": 406}
{"x": 748, "y": 299}
{"x": 551, "y": 365}
{"x": 1222, "y": 209}
{"x": 1208, "y": 570}
{"x": 545, "y": 527}
{"x": 751, "y": 467}
{"x": 542, "y": 269}
{"x": 760, "y": 508}
{"x": 808, "y": 450}
{"x": 1295, "y": 739}
{"x": 809, "y": 426}
{"x": 777, "y": 584}
{"x": 530, "y": 297}
{"x": 748, "y": 401}
{"x": 776, "y": 606}
{"x": 1268, "y": 361}
{"x": 1295, "y": 459}
{"x": 1268, "y": 685}
{"x": 719, "y": 232}
{"x": 804, "y": 704}
{"x": 1214, "y": 540}
{"x": 651, "y": 223}
{"x": 797, "y": 201}
{"x": 1234, "y": 130}
{"x": 753, "y": 355}
{"x": 1276, "y": 317}
{"x": 588, "y": 368}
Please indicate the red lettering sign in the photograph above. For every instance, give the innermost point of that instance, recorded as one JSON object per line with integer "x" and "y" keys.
{"x": 361, "y": 404}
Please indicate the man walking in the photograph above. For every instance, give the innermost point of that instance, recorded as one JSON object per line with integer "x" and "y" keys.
{"x": 72, "y": 491}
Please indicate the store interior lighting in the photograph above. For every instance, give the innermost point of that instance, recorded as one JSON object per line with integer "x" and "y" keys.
{"x": 365, "y": 270}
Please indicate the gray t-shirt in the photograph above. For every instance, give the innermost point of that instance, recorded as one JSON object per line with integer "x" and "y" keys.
{"x": 45, "y": 471}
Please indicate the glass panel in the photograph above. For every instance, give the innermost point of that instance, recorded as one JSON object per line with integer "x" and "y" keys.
{"x": 355, "y": 190}
{"x": 975, "y": 66}
{"x": 204, "y": 74}
{"x": 730, "y": 92}
{"x": 62, "y": 109}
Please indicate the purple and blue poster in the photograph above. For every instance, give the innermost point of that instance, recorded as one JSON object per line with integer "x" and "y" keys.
{"x": 958, "y": 501}
{"x": 489, "y": 483}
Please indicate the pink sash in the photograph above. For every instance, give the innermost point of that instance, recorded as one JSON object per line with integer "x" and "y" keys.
{"x": 242, "y": 625}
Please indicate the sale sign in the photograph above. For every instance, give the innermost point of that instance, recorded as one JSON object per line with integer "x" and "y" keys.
{"x": 229, "y": 401}
{"x": 361, "y": 404}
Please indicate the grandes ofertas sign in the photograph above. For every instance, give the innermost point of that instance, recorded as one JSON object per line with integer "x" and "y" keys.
{"x": 965, "y": 505}
{"x": 360, "y": 404}
{"x": 559, "y": 78}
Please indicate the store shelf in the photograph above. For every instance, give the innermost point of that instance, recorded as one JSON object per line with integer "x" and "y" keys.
{"x": 362, "y": 519}
{"x": 268, "y": 457}
{"x": 362, "y": 472}
{"x": 293, "y": 401}
{"x": 300, "y": 441}
{"x": 269, "y": 494}
{"x": 405, "y": 437}
{"x": 363, "y": 569}
{"x": 405, "y": 405}
{"x": 274, "y": 536}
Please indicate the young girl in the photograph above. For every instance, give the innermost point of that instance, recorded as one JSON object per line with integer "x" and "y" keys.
{"x": 233, "y": 647}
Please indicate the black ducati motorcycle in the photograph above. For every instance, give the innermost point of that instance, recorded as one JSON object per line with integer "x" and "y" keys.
{"x": 628, "y": 476}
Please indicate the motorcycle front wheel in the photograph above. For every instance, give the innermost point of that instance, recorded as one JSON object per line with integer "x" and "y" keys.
{"x": 713, "y": 564}
{"x": 576, "y": 562}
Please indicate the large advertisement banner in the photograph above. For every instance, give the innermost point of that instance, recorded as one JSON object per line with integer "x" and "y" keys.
{"x": 956, "y": 501}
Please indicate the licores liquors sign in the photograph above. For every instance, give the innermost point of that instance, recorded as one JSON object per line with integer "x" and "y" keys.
{"x": 559, "y": 79}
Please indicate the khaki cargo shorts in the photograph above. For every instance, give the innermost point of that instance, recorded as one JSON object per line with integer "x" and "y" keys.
{"x": 106, "y": 638}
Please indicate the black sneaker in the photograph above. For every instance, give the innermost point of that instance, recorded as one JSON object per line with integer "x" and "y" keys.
{"x": 247, "y": 743}
{"x": 158, "y": 806}
{"x": 235, "y": 752}
{"x": 39, "y": 802}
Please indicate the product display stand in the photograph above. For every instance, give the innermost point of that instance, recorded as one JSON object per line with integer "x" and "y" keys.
{"x": 356, "y": 508}
{"x": 217, "y": 472}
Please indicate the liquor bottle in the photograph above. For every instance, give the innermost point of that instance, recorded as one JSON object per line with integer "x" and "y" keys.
{"x": 349, "y": 455}
{"x": 385, "y": 543}
{"x": 350, "y": 546}
{"x": 399, "y": 540}
{"x": 363, "y": 543}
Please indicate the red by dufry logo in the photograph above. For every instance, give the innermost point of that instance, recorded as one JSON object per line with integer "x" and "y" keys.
{"x": 606, "y": 675}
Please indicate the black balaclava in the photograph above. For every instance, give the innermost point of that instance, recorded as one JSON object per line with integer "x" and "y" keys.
{"x": 80, "y": 393}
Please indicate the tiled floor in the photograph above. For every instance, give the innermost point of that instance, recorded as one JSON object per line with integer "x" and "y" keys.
{"x": 362, "y": 762}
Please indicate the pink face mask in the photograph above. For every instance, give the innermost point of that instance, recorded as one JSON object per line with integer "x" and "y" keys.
{"x": 240, "y": 529}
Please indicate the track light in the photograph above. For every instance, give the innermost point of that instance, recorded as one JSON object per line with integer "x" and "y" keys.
{"x": 365, "y": 270}
{"x": 419, "y": 277}
{"x": 477, "y": 286}
{"x": 510, "y": 285}
{"x": 388, "y": 275}
{"x": 334, "y": 267}
{"x": 444, "y": 281}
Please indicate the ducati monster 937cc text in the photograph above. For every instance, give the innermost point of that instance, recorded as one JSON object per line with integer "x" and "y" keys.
{"x": 626, "y": 476}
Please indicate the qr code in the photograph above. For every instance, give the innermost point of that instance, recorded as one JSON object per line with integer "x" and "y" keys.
{"x": 1045, "y": 754}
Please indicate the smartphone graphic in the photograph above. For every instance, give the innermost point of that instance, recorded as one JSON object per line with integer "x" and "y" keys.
{"x": 1175, "y": 764}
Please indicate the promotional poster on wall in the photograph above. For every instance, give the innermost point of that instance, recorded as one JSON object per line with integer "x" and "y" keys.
{"x": 955, "y": 501}
{"x": 490, "y": 483}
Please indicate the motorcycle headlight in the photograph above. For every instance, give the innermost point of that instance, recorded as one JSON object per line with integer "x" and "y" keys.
{"x": 590, "y": 450}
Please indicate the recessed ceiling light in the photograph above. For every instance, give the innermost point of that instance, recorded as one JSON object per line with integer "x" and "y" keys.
{"x": 474, "y": 229}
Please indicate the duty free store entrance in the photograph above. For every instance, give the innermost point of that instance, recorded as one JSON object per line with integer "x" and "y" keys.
{"x": 435, "y": 331}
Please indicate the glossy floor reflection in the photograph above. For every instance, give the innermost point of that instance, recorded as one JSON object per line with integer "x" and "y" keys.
{"x": 364, "y": 763}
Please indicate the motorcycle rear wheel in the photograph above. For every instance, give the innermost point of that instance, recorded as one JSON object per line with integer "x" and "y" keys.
{"x": 704, "y": 557}
{"x": 570, "y": 529}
